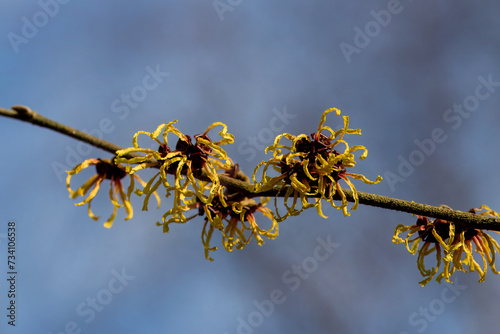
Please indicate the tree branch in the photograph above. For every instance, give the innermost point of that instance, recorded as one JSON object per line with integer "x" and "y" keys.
{"x": 471, "y": 220}
{"x": 25, "y": 114}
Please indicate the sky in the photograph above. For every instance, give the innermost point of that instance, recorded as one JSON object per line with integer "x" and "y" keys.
{"x": 401, "y": 71}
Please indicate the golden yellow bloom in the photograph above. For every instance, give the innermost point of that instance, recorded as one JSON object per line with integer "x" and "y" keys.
{"x": 105, "y": 170}
{"x": 184, "y": 200}
{"x": 227, "y": 212}
{"x": 313, "y": 167}
{"x": 433, "y": 235}
{"x": 243, "y": 212}
{"x": 483, "y": 244}
{"x": 237, "y": 224}
{"x": 188, "y": 158}
{"x": 163, "y": 157}
{"x": 453, "y": 244}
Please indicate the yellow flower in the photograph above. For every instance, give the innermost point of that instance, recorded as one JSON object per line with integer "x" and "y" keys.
{"x": 483, "y": 244}
{"x": 188, "y": 158}
{"x": 105, "y": 170}
{"x": 184, "y": 200}
{"x": 237, "y": 223}
{"x": 162, "y": 157}
{"x": 314, "y": 167}
{"x": 453, "y": 244}
{"x": 227, "y": 213}
{"x": 433, "y": 235}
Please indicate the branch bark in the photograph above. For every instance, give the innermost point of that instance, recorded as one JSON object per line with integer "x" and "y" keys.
{"x": 25, "y": 114}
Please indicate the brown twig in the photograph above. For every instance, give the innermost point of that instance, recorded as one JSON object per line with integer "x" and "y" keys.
{"x": 473, "y": 221}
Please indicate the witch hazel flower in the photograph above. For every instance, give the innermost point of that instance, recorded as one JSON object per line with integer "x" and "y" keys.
{"x": 454, "y": 246}
{"x": 232, "y": 216}
{"x": 313, "y": 167}
{"x": 188, "y": 159}
{"x": 105, "y": 170}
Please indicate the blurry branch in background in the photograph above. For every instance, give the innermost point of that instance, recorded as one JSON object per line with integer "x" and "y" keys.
{"x": 247, "y": 189}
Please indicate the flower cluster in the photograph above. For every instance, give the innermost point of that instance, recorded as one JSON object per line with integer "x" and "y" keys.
{"x": 453, "y": 245}
{"x": 313, "y": 166}
{"x": 195, "y": 165}
{"x": 190, "y": 169}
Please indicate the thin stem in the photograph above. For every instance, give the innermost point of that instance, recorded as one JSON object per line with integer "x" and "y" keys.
{"x": 245, "y": 188}
{"x": 25, "y": 114}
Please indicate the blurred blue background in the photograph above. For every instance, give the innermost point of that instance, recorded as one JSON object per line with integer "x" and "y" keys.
{"x": 396, "y": 68}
